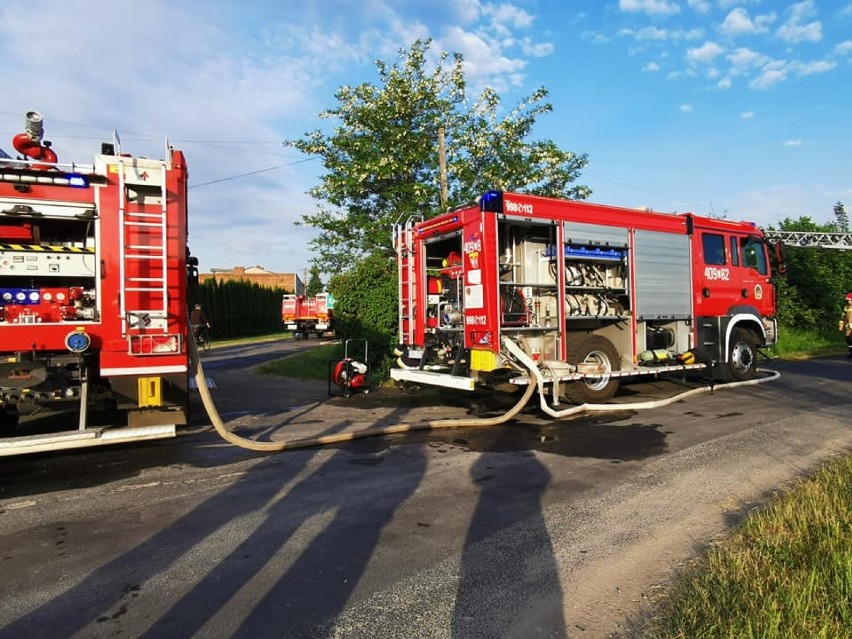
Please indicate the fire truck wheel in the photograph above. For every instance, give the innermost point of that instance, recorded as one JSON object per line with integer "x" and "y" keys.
{"x": 742, "y": 355}
{"x": 597, "y": 350}
{"x": 8, "y": 423}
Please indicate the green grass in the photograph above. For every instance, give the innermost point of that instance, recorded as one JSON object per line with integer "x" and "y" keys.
{"x": 798, "y": 344}
{"x": 785, "y": 573}
{"x": 309, "y": 364}
{"x": 267, "y": 337}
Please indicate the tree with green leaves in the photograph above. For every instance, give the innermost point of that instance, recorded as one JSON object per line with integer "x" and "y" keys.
{"x": 811, "y": 294}
{"x": 315, "y": 284}
{"x": 841, "y": 217}
{"x": 382, "y": 163}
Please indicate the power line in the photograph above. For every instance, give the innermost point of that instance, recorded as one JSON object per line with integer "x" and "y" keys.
{"x": 241, "y": 175}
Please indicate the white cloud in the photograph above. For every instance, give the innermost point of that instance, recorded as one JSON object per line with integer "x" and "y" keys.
{"x": 651, "y": 67}
{"x": 796, "y": 29}
{"x": 647, "y": 33}
{"x": 701, "y": 6}
{"x": 484, "y": 60}
{"x": 772, "y": 73}
{"x": 778, "y": 71}
{"x": 465, "y": 11}
{"x": 844, "y": 48}
{"x": 794, "y": 33}
{"x": 744, "y": 58}
{"x": 536, "y": 50}
{"x": 744, "y": 61}
{"x": 594, "y": 38}
{"x": 812, "y": 68}
{"x": 508, "y": 15}
{"x": 685, "y": 108}
{"x": 650, "y": 7}
{"x": 655, "y": 33}
{"x": 738, "y": 22}
{"x": 705, "y": 53}
{"x": 724, "y": 84}
{"x": 793, "y": 143}
{"x": 747, "y": 115}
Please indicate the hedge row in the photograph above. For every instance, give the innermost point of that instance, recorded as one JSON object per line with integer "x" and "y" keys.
{"x": 238, "y": 308}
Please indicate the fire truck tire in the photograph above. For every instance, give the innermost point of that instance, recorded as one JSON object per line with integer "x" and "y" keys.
{"x": 8, "y": 423}
{"x": 599, "y": 350}
{"x": 742, "y": 355}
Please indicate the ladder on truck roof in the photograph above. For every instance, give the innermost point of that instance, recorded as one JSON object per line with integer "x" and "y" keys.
{"x": 403, "y": 242}
{"x": 812, "y": 239}
{"x": 143, "y": 253}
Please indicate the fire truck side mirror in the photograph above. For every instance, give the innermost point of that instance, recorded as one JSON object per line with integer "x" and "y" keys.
{"x": 191, "y": 269}
{"x": 780, "y": 259}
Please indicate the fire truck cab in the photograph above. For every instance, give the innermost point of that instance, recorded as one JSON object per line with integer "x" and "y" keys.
{"x": 585, "y": 293}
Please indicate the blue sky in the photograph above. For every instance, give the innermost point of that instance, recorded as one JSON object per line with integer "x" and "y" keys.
{"x": 738, "y": 108}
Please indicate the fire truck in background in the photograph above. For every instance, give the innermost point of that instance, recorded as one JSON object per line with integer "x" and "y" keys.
{"x": 575, "y": 297}
{"x": 93, "y": 293}
{"x": 307, "y": 316}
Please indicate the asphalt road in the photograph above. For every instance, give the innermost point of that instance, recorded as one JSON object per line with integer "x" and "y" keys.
{"x": 534, "y": 529}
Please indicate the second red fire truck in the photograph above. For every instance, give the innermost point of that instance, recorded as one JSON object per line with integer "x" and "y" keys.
{"x": 517, "y": 289}
{"x": 307, "y": 316}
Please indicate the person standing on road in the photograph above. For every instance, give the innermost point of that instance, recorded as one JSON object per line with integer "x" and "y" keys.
{"x": 845, "y": 323}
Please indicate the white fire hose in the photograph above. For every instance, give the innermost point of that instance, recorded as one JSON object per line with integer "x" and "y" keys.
{"x": 511, "y": 346}
{"x": 291, "y": 444}
{"x": 530, "y": 364}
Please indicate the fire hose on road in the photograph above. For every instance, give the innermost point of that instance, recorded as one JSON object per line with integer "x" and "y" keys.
{"x": 537, "y": 382}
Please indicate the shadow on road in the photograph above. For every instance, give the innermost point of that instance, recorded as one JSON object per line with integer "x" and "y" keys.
{"x": 509, "y": 583}
{"x": 343, "y": 548}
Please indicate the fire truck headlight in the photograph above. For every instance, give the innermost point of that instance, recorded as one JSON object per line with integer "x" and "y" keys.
{"x": 77, "y": 341}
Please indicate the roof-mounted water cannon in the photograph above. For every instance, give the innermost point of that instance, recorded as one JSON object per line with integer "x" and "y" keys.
{"x": 29, "y": 143}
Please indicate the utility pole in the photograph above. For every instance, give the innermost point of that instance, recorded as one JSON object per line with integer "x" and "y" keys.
{"x": 442, "y": 167}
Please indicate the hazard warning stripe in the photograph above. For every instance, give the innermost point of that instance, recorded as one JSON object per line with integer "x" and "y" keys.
{"x": 45, "y": 249}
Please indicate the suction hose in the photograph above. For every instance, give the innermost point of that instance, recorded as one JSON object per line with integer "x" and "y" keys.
{"x": 291, "y": 444}
{"x": 511, "y": 346}
{"x": 535, "y": 373}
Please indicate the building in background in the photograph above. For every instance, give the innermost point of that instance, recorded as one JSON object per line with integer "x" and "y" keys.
{"x": 290, "y": 282}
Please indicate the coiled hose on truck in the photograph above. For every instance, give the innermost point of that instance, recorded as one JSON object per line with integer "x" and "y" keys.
{"x": 536, "y": 382}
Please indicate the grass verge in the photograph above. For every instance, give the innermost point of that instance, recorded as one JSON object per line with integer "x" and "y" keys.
{"x": 267, "y": 337}
{"x": 309, "y": 364}
{"x": 797, "y": 344}
{"x": 785, "y": 573}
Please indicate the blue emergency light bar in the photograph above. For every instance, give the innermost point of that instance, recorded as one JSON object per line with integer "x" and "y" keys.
{"x": 51, "y": 178}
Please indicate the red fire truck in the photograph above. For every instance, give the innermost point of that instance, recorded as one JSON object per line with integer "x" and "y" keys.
{"x": 517, "y": 289}
{"x": 308, "y": 315}
{"x": 93, "y": 284}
